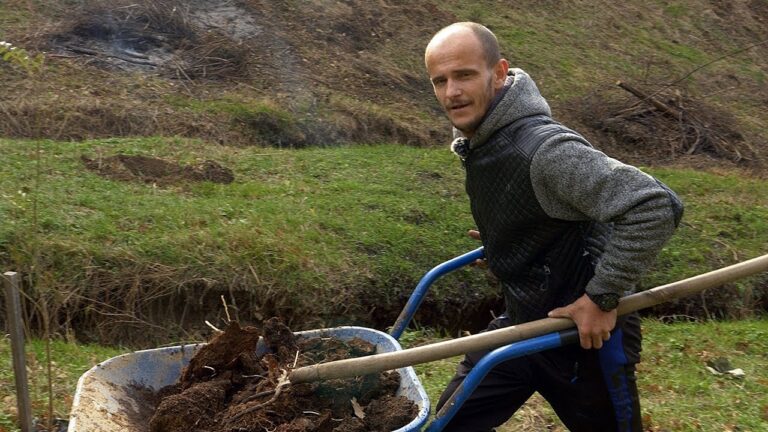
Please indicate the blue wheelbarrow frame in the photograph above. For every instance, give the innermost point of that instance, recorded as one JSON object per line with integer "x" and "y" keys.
{"x": 489, "y": 361}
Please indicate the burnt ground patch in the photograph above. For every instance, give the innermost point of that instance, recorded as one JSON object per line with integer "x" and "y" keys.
{"x": 169, "y": 37}
{"x": 330, "y": 80}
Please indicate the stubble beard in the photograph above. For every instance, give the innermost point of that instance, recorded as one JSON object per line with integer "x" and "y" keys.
{"x": 470, "y": 129}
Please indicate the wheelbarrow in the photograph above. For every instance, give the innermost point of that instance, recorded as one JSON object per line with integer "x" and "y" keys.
{"x": 111, "y": 395}
{"x": 115, "y": 394}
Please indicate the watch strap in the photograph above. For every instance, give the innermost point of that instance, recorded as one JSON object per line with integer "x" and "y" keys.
{"x": 606, "y": 302}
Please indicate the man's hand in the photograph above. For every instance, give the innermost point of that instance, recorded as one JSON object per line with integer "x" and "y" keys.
{"x": 594, "y": 325}
{"x": 475, "y": 234}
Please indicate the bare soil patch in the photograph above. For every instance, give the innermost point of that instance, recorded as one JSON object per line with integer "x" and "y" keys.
{"x": 227, "y": 387}
{"x": 153, "y": 170}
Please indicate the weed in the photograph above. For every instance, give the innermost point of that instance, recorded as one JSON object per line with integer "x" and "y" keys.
{"x": 676, "y": 10}
{"x": 70, "y": 360}
{"x": 19, "y": 57}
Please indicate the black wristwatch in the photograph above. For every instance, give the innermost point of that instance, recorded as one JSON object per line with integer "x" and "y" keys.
{"x": 606, "y": 302}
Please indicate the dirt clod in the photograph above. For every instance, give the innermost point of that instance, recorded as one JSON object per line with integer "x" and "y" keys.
{"x": 224, "y": 353}
{"x": 229, "y": 387}
{"x": 192, "y": 409}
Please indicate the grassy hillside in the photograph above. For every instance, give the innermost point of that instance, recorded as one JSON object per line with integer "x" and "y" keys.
{"x": 271, "y": 77}
{"x": 338, "y": 233}
{"x": 344, "y": 193}
{"x": 319, "y": 236}
{"x": 316, "y": 236}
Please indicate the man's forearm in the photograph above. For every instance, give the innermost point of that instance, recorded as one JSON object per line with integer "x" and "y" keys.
{"x": 575, "y": 182}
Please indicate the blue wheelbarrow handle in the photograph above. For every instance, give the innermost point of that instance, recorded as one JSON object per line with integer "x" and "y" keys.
{"x": 489, "y": 361}
{"x": 421, "y": 289}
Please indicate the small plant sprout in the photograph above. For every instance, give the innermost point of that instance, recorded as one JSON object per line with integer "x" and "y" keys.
{"x": 20, "y": 58}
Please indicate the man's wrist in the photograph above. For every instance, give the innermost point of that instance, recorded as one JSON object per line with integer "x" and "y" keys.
{"x": 606, "y": 302}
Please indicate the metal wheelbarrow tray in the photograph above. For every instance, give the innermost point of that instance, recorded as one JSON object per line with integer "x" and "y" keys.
{"x": 115, "y": 395}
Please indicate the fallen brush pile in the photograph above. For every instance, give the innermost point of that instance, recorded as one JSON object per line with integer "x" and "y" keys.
{"x": 666, "y": 124}
{"x": 228, "y": 386}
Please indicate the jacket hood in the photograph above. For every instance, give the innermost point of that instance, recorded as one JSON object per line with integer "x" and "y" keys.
{"x": 518, "y": 98}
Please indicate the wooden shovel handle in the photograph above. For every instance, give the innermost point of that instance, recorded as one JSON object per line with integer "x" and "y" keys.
{"x": 493, "y": 339}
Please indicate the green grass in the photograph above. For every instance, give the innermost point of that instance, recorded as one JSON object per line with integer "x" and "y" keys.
{"x": 677, "y": 392}
{"x": 323, "y": 222}
{"x": 69, "y": 361}
{"x": 230, "y": 104}
{"x": 574, "y": 48}
{"x": 725, "y": 221}
{"x": 300, "y": 231}
{"x": 682, "y": 395}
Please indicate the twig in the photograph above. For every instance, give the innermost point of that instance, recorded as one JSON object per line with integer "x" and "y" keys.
{"x": 282, "y": 382}
{"x": 180, "y": 71}
{"x": 258, "y": 395}
{"x": 213, "y": 327}
{"x": 653, "y": 101}
{"x": 675, "y": 317}
{"x": 135, "y": 54}
{"x": 226, "y": 309}
{"x": 700, "y": 67}
{"x": 87, "y": 51}
{"x": 730, "y": 248}
{"x": 253, "y": 272}
{"x": 696, "y": 143}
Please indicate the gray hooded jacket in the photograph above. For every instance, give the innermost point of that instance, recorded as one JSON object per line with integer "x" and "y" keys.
{"x": 540, "y": 192}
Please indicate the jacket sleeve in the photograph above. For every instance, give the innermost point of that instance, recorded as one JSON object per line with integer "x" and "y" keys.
{"x": 573, "y": 181}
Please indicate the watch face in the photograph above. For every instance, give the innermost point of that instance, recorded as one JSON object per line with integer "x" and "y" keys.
{"x": 610, "y": 302}
{"x": 606, "y": 302}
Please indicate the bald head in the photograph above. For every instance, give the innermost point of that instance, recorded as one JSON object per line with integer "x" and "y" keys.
{"x": 487, "y": 40}
{"x": 466, "y": 71}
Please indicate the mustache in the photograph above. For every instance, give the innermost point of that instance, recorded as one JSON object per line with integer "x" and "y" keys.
{"x": 457, "y": 104}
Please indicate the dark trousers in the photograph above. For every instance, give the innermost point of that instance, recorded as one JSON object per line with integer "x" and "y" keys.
{"x": 590, "y": 390}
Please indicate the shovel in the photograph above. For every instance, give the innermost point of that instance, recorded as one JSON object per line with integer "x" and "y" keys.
{"x": 515, "y": 341}
{"x": 492, "y": 339}
{"x": 520, "y": 340}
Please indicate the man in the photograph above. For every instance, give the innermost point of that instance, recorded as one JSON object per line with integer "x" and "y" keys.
{"x": 566, "y": 229}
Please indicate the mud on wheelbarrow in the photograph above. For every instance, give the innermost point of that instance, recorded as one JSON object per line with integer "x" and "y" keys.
{"x": 113, "y": 395}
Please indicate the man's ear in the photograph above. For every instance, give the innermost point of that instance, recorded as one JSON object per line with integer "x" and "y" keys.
{"x": 500, "y": 73}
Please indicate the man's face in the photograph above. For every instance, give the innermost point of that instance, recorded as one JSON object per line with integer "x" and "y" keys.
{"x": 463, "y": 82}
